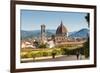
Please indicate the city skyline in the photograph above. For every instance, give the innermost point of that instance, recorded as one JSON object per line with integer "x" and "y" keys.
{"x": 33, "y": 19}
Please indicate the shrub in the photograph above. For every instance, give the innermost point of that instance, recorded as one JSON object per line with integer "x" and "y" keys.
{"x": 24, "y": 56}
{"x": 86, "y": 52}
{"x": 65, "y": 51}
{"x": 33, "y": 55}
{"x": 42, "y": 46}
{"x": 39, "y": 54}
{"x": 86, "y": 48}
{"x": 45, "y": 53}
{"x": 54, "y": 53}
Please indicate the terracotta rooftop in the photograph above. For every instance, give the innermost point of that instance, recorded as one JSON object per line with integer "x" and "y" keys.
{"x": 61, "y": 29}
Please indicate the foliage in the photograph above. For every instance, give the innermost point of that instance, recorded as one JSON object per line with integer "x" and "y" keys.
{"x": 45, "y": 53}
{"x": 53, "y": 52}
{"x": 86, "y": 44}
{"x": 24, "y": 55}
{"x": 33, "y": 54}
{"x": 86, "y": 48}
{"x": 87, "y": 17}
{"x": 66, "y": 51}
{"x": 42, "y": 46}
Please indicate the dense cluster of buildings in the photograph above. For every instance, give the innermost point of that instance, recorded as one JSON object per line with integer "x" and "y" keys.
{"x": 59, "y": 38}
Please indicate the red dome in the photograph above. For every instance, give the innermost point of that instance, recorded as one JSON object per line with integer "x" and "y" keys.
{"x": 61, "y": 30}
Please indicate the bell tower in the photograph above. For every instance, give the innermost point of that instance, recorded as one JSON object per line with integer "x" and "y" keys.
{"x": 43, "y": 34}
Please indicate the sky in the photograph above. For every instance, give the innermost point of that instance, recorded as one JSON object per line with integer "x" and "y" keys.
{"x": 33, "y": 19}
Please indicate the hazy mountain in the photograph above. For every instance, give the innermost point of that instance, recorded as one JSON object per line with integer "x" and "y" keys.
{"x": 81, "y": 33}
{"x": 35, "y": 33}
{"x": 29, "y": 34}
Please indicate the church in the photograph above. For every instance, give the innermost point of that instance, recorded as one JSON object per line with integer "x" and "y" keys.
{"x": 61, "y": 34}
{"x": 60, "y": 37}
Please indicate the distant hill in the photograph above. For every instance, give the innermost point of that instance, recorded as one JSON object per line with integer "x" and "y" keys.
{"x": 81, "y": 33}
{"x": 36, "y": 33}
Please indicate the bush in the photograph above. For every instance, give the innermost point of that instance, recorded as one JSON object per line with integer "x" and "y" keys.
{"x": 39, "y": 54}
{"x": 45, "y": 53}
{"x": 86, "y": 48}
{"x": 57, "y": 51}
{"x": 24, "y": 55}
{"x": 53, "y": 53}
{"x": 42, "y": 46}
{"x": 27, "y": 55}
{"x": 33, "y": 55}
{"x": 65, "y": 51}
{"x": 86, "y": 52}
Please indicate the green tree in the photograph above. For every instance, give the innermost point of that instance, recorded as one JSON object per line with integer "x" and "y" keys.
{"x": 86, "y": 44}
{"x": 43, "y": 46}
{"x": 65, "y": 51}
{"x": 36, "y": 43}
{"x": 45, "y": 53}
{"x": 86, "y": 48}
{"x": 87, "y": 17}
{"x": 54, "y": 52}
{"x": 33, "y": 55}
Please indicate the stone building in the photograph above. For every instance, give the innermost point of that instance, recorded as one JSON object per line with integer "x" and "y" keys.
{"x": 61, "y": 33}
{"x": 43, "y": 34}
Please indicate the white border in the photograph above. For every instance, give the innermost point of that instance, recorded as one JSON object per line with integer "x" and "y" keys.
{"x": 53, "y": 64}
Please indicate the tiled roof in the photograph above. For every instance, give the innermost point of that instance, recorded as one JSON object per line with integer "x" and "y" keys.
{"x": 61, "y": 29}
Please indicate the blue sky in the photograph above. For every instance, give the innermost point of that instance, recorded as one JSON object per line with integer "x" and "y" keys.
{"x": 32, "y": 20}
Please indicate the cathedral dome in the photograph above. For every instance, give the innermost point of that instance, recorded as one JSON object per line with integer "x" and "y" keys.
{"x": 61, "y": 30}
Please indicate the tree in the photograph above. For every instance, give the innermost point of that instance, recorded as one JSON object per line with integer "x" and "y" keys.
{"x": 65, "y": 51}
{"x": 54, "y": 52}
{"x": 86, "y": 44}
{"x": 86, "y": 48}
{"x": 45, "y": 53}
{"x": 42, "y": 46}
{"x": 33, "y": 55}
{"x": 36, "y": 43}
{"x": 87, "y": 17}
